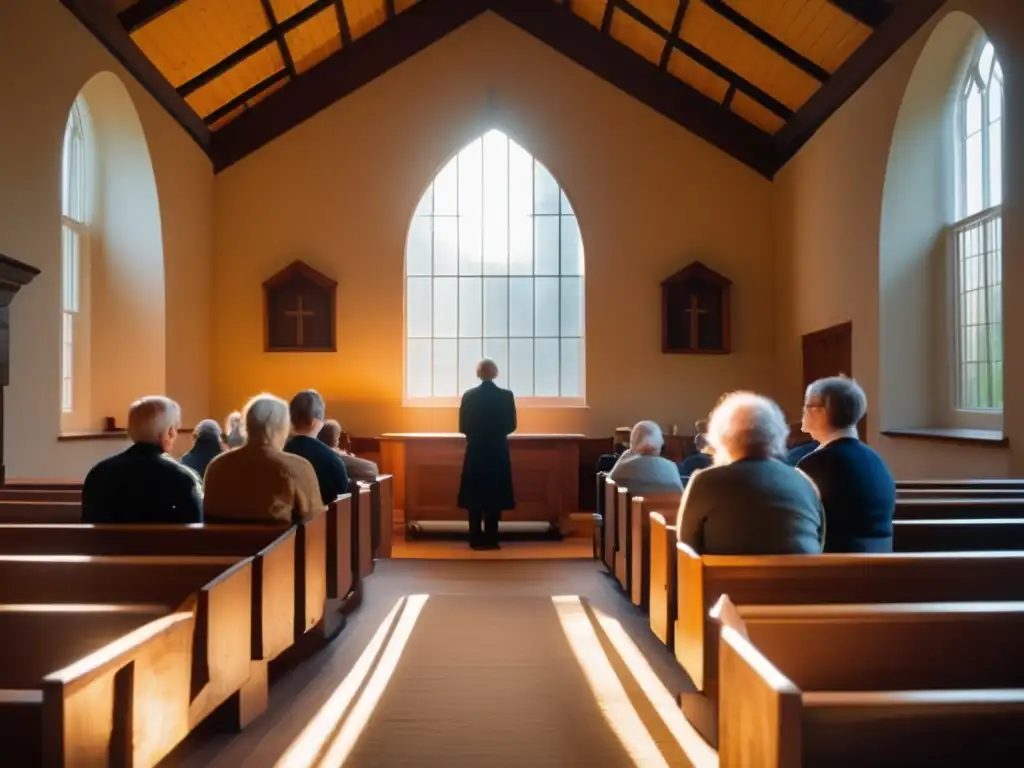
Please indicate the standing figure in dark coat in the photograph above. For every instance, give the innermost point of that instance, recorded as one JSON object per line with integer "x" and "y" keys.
{"x": 487, "y": 417}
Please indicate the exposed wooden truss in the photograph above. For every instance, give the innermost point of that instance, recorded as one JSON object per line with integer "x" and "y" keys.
{"x": 278, "y": 102}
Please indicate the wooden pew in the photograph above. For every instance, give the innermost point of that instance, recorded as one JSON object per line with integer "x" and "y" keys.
{"x": 382, "y": 496}
{"x": 662, "y": 590}
{"x": 958, "y": 493}
{"x": 217, "y": 589}
{"x": 639, "y": 564}
{"x": 36, "y": 494}
{"x": 976, "y": 484}
{"x": 122, "y": 703}
{"x": 362, "y": 533}
{"x": 58, "y": 512}
{"x": 958, "y": 535}
{"x": 342, "y": 565}
{"x": 811, "y": 579}
{"x": 44, "y": 485}
{"x": 826, "y": 685}
{"x": 623, "y": 533}
{"x": 599, "y": 516}
{"x": 611, "y": 525}
{"x": 958, "y": 509}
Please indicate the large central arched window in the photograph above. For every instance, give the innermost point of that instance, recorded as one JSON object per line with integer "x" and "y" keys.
{"x": 494, "y": 267}
{"x": 977, "y": 239}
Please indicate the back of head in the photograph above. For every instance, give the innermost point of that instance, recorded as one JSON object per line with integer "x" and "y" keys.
{"x": 306, "y": 410}
{"x": 266, "y": 420}
{"x": 330, "y": 433}
{"x": 646, "y": 438}
{"x": 235, "y": 429}
{"x": 151, "y": 419}
{"x": 842, "y": 398}
{"x": 746, "y": 425}
{"x": 207, "y": 431}
{"x": 487, "y": 370}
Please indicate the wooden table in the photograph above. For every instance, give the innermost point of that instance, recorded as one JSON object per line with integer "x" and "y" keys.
{"x": 428, "y": 466}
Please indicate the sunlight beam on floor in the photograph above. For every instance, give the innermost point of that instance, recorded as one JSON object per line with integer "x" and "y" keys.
{"x": 608, "y": 691}
{"x": 699, "y": 751}
{"x": 304, "y": 750}
{"x": 359, "y": 716}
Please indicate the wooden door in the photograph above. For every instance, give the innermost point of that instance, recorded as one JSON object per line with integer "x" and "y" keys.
{"x": 829, "y": 352}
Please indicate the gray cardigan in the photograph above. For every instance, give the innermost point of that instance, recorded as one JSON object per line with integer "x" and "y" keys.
{"x": 751, "y": 507}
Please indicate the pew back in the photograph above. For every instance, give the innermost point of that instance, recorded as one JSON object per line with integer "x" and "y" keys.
{"x": 947, "y": 509}
{"x": 958, "y": 535}
{"x": 59, "y": 512}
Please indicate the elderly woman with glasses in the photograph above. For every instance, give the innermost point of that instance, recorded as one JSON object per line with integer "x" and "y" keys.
{"x": 750, "y": 502}
{"x": 641, "y": 468}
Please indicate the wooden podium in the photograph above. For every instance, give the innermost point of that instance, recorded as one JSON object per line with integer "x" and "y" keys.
{"x": 427, "y": 468}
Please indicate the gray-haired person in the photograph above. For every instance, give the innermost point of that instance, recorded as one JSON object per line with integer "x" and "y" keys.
{"x": 206, "y": 445}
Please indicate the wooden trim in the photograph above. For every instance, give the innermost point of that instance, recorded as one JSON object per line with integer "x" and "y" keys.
{"x": 116, "y": 434}
{"x": 677, "y": 24}
{"x": 983, "y": 437}
{"x": 242, "y": 98}
{"x": 142, "y": 12}
{"x": 343, "y": 26}
{"x": 108, "y": 29}
{"x": 282, "y": 47}
{"x": 871, "y": 13}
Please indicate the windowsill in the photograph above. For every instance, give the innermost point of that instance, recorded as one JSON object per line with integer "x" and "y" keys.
{"x": 100, "y": 434}
{"x": 988, "y": 437}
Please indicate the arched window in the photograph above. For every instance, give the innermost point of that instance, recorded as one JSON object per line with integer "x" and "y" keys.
{"x": 977, "y": 239}
{"x": 73, "y": 242}
{"x": 494, "y": 267}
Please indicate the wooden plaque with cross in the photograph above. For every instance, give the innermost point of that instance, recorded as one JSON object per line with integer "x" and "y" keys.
{"x": 695, "y": 312}
{"x": 299, "y": 310}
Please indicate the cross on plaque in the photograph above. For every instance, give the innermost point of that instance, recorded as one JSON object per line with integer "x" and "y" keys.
{"x": 694, "y": 311}
{"x": 299, "y": 314}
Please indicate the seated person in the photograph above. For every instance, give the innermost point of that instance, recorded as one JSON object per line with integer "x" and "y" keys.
{"x": 144, "y": 484}
{"x": 307, "y": 414}
{"x": 798, "y": 452}
{"x": 206, "y": 444}
{"x": 750, "y": 502}
{"x": 642, "y": 469}
{"x": 234, "y": 435}
{"x": 259, "y": 482}
{"x": 857, "y": 489}
{"x": 359, "y": 469}
{"x": 620, "y": 444}
{"x": 702, "y": 459}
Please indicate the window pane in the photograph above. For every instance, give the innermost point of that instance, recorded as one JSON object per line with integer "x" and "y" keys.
{"x": 496, "y": 202}
{"x": 69, "y": 269}
{"x": 446, "y": 245}
{"x": 995, "y": 166}
{"x": 521, "y": 246}
{"x": 520, "y": 366}
{"x": 545, "y": 192}
{"x": 973, "y": 110}
{"x": 546, "y": 307}
{"x": 470, "y": 306}
{"x": 566, "y": 207}
{"x": 469, "y": 356}
{"x": 995, "y": 101}
{"x": 446, "y": 366}
{"x": 419, "y": 251}
{"x": 520, "y": 306}
{"x": 988, "y": 55}
{"x": 572, "y": 306}
{"x": 497, "y": 350}
{"x": 446, "y": 189}
{"x": 426, "y": 206}
{"x": 496, "y": 306}
{"x": 570, "y": 368}
{"x": 470, "y": 244}
{"x": 446, "y": 307}
{"x": 418, "y": 312}
{"x": 471, "y": 180}
{"x": 546, "y": 253}
{"x": 418, "y": 372}
{"x": 572, "y": 248}
{"x": 973, "y": 175}
{"x": 545, "y": 362}
{"x": 520, "y": 181}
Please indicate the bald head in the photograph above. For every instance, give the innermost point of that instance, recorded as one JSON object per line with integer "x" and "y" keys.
{"x": 154, "y": 420}
{"x": 487, "y": 370}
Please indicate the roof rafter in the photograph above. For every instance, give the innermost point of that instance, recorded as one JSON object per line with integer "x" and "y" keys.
{"x": 677, "y": 24}
{"x": 282, "y": 47}
{"x": 871, "y": 13}
{"x": 343, "y": 27}
{"x": 139, "y": 14}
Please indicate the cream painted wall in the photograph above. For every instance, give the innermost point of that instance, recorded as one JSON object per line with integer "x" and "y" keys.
{"x": 46, "y": 57}
{"x": 339, "y": 191}
{"x": 829, "y": 203}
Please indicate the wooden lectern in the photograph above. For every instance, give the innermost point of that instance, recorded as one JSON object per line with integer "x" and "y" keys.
{"x": 13, "y": 275}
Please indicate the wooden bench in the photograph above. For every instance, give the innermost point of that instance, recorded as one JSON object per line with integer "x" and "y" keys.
{"x": 623, "y": 533}
{"x": 382, "y": 500}
{"x": 639, "y": 561}
{"x": 598, "y": 547}
{"x": 362, "y": 534}
{"x": 975, "y": 484}
{"x": 959, "y": 493}
{"x": 36, "y": 494}
{"x": 826, "y": 685}
{"x": 611, "y": 525}
{"x": 662, "y": 588}
{"x": 58, "y": 512}
{"x": 958, "y": 535}
{"x": 958, "y": 509}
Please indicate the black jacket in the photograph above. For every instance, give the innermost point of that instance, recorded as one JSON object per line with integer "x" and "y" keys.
{"x": 204, "y": 450}
{"x": 487, "y": 416}
{"x": 329, "y": 468}
{"x": 141, "y": 485}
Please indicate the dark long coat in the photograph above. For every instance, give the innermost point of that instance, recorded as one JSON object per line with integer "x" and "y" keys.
{"x": 487, "y": 417}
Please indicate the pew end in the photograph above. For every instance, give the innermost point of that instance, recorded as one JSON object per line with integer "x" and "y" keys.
{"x": 639, "y": 564}
{"x": 611, "y": 525}
{"x": 662, "y": 594}
{"x": 623, "y": 534}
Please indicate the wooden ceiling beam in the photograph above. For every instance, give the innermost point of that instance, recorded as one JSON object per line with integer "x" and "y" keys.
{"x": 343, "y": 26}
{"x": 282, "y": 46}
{"x": 677, "y": 24}
{"x": 768, "y": 40}
{"x": 613, "y": 62}
{"x": 339, "y": 75}
{"x": 906, "y": 19}
{"x": 242, "y": 98}
{"x": 253, "y": 47}
{"x": 389, "y": 8}
{"x": 763, "y": 98}
{"x": 871, "y": 13}
{"x": 139, "y": 14}
{"x": 95, "y": 15}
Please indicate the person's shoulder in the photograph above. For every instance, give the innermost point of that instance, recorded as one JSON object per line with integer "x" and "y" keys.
{"x": 293, "y": 464}
{"x": 174, "y": 468}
